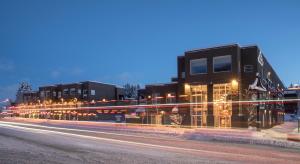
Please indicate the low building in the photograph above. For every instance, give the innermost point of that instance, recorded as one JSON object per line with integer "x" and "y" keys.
{"x": 217, "y": 82}
{"x": 86, "y": 91}
{"x": 30, "y": 97}
{"x": 292, "y": 94}
{"x": 74, "y": 101}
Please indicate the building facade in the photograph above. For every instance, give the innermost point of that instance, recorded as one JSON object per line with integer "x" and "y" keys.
{"x": 219, "y": 84}
{"x": 292, "y": 93}
{"x": 86, "y": 91}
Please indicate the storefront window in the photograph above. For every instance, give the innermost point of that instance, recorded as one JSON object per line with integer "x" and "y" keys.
{"x": 198, "y": 107}
{"x": 222, "y": 105}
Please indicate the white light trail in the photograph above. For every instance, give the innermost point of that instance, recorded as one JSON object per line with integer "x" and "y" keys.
{"x": 77, "y": 130}
{"x": 25, "y": 108}
{"x": 129, "y": 142}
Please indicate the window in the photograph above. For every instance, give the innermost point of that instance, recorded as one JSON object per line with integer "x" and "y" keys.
{"x": 183, "y": 75}
{"x": 248, "y": 68}
{"x": 66, "y": 91}
{"x": 54, "y": 94}
{"x": 42, "y": 94}
{"x": 222, "y": 107}
{"x": 48, "y": 94}
{"x": 198, "y": 98}
{"x": 222, "y": 63}
{"x": 170, "y": 97}
{"x": 59, "y": 94}
{"x": 79, "y": 91}
{"x": 72, "y": 91}
{"x": 93, "y": 92}
{"x": 198, "y": 66}
{"x": 85, "y": 93}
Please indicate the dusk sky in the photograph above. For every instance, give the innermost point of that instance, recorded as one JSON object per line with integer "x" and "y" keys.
{"x": 58, "y": 41}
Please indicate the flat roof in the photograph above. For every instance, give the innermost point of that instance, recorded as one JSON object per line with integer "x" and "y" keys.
{"x": 78, "y": 83}
{"x": 161, "y": 84}
{"x": 212, "y": 47}
{"x": 221, "y": 46}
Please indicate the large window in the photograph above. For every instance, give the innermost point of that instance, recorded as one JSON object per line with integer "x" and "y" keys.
{"x": 198, "y": 107}
{"x": 222, "y": 63}
{"x": 198, "y": 66}
{"x": 222, "y": 104}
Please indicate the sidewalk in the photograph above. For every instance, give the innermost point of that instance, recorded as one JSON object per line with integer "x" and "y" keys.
{"x": 280, "y": 136}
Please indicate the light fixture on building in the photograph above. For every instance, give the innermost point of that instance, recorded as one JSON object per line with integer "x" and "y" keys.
{"x": 234, "y": 85}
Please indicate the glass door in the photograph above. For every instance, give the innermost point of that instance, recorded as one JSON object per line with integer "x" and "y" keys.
{"x": 198, "y": 107}
{"x": 222, "y": 105}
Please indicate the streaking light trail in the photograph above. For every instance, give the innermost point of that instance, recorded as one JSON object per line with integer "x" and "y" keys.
{"x": 146, "y": 106}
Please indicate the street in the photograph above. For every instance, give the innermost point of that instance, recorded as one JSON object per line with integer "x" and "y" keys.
{"x": 30, "y": 143}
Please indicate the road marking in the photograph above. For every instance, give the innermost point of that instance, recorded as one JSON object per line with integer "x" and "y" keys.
{"x": 134, "y": 143}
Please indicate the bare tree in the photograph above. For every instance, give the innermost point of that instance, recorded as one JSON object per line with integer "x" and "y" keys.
{"x": 131, "y": 90}
{"x": 24, "y": 87}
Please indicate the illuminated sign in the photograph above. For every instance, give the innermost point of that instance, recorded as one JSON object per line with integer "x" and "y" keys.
{"x": 260, "y": 59}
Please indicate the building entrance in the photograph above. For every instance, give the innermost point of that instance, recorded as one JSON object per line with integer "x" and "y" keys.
{"x": 198, "y": 107}
{"x": 222, "y": 104}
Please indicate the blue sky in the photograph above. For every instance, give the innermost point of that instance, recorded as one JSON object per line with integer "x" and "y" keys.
{"x": 115, "y": 41}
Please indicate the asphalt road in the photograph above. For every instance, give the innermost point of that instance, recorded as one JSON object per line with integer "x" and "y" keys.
{"x": 28, "y": 143}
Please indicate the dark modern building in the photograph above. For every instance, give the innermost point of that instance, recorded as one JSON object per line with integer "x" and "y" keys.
{"x": 86, "y": 91}
{"x": 222, "y": 85}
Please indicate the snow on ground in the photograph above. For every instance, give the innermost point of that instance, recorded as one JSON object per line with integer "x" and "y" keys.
{"x": 30, "y": 148}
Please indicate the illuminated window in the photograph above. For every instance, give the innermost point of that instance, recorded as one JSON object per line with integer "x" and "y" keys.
{"x": 222, "y": 104}
{"x": 222, "y": 63}
{"x": 198, "y": 96}
{"x": 198, "y": 66}
{"x": 170, "y": 98}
